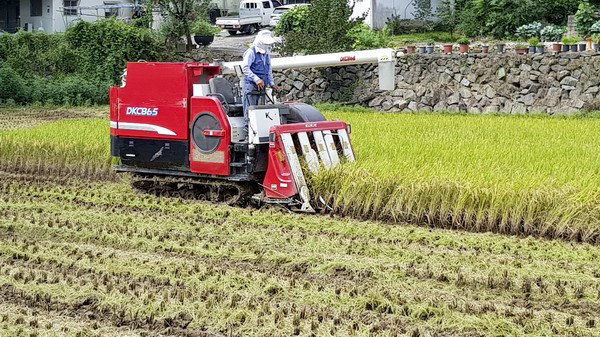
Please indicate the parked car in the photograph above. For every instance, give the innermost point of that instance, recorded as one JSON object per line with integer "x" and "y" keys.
{"x": 277, "y": 12}
{"x": 254, "y": 14}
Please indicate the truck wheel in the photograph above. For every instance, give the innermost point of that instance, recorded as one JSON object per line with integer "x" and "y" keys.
{"x": 232, "y": 32}
{"x": 252, "y": 29}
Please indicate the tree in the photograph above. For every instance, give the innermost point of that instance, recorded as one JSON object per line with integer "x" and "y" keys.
{"x": 180, "y": 15}
{"x": 320, "y": 28}
{"x": 446, "y": 11}
{"x": 423, "y": 13}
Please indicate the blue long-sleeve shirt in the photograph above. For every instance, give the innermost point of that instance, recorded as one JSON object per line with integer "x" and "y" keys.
{"x": 248, "y": 59}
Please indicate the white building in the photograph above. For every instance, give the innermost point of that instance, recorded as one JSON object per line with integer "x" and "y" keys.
{"x": 379, "y": 11}
{"x": 56, "y": 15}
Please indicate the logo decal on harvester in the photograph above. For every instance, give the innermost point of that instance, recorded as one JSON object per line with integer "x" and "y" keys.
{"x": 141, "y": 111}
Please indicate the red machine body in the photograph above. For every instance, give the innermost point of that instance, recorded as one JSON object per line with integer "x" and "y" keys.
{"x": 163, "y": 132}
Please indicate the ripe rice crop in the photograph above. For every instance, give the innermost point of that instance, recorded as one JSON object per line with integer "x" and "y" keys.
{"x": 508, "y": 174}
{"x": 79, "y": 146}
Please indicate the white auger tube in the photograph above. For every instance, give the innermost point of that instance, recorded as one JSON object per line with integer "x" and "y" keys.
{"x": 385, "y": 58}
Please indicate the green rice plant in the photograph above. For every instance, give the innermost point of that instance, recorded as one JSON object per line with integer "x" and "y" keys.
{"x": 531, "y": 176}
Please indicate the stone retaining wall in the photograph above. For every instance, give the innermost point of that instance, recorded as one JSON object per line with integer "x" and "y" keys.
{"x": 479, "y": 83}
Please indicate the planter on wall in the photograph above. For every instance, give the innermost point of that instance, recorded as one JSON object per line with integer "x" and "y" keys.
{"x": 410, "y": 49}
{"x": 204, "y": 40}
{"x": 464, "y": 48}
{"x": 532, "y": 49}
{"x": 540, "y": 49}
{"x": 596, "y": 47}
{"x": 573, "y": 47}
{"x": 429, "y": 49}
{"x": 556, "y": 47}
{"x": 500, "y": 48}
{"x": 485, "y": 49}
{"x": 565, "y": 47}
{"x": 521, "y": 50}
{"x": 582, "y": 47}
{"x": 448, "y": 48}
{"x": 422, "y": 49}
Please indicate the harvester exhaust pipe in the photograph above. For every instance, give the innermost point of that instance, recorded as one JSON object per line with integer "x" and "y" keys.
{"x": 385, "y": 58}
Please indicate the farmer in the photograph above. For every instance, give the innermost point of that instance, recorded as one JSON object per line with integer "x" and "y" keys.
{"x": 257, "y": 70}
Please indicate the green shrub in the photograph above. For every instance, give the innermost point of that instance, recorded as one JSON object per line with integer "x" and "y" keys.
{"x": 551, "y": 33}
{"x": 397, "y": 26}
{"x": 324, "y": 28}
{"x": 365, "y": 38}
{"x": 585, "y": 18}
{"x": 500, "y": 18}
{"x": 103, "y": 48}
{"x": 530, "y": 30}
{"x": 12, "y": 85}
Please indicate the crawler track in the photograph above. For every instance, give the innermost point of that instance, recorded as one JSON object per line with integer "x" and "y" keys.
{"x": 230, "y": 193}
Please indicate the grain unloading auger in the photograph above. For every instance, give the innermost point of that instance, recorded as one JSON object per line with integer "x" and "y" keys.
{"x": 178, "y": 128}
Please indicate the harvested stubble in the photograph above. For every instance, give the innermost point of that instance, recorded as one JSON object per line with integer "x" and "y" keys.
{"x": 518, "y": 175}
{"x": 107, "y": 257}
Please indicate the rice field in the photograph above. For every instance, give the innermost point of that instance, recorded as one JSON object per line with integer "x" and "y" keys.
{"x": 82, "y": 254}
{"x": 509, "y": 174}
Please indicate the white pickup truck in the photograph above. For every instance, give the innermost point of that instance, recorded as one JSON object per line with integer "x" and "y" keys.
{"x": 254, "y": 14}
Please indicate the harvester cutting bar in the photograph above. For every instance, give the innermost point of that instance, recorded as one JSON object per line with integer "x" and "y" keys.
{"x": 324, "y": 140}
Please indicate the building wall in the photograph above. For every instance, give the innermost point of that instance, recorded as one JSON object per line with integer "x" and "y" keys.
{"x": 54, "y": 20}
{"x": 379, "y": 11}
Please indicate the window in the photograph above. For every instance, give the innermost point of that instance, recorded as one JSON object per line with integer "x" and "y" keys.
{"x": 276, "y": 3}
{"x": 35, "y": 8}
{"x": 266, "y": 4}
{"x": 70, "y": 3}
{"x": 250, "y": 5}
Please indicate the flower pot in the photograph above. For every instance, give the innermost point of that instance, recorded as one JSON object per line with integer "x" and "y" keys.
{"x": 556, "y": 47}
{"x": 582, "y": 47}
{"x": 573, "y": 47}
{"x": 448, "y": 48}
{"x": 540, "y": 49}
{"x": 429, "y": 49}
{"x": 204, "y": 40}
{"x": 521, "y": 50}
{"x": 422, "y": 49}
{"x": 596, "y": 47}
{"x": 410, "y": 49}
{"x": 500, "y": 48}
{"x": 464, "y": 48}
{"x": 532, "y": 49}
{"x": 565, "y": 47}
{"x": 485, "y": 49}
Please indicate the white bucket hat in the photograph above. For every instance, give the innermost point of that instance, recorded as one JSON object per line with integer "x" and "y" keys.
{"x": 264, "y": 37}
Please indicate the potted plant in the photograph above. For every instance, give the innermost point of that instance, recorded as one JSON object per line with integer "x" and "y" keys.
{"x": 596, "y": 39}
{"x": 204, "y": 32}
{"x": 448, "y": 48}
{"x": 422, "y": 49}
{"x": 553, "y": 33}
{"x": 464, "y": 44}
{"x": 556, "y": 47}
{"x": 500, "y": 47}
{"x": 521, "y": 48}
{"x": 565, "y": 45}
{"x": 540, "y": 48}
{"x": 582, "y": 46}
{"x": 430, "y": 46}
{"x": 571, "y": 42}
{"x": 533, "y": 42}
{"x": 410, "y": 49}
{"x": 485, "y": 48}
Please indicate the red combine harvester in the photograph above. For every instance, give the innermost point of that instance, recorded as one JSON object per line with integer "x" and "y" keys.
{"x": 178, "y": 128}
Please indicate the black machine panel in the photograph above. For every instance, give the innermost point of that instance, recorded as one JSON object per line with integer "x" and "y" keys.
{"x": 205, "y": 121}
{"x": 151, "y": 153}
